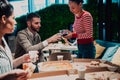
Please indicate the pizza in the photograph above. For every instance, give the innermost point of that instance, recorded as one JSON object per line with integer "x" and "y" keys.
{"x": 95, "y": 63}
{"x": 29, "y": 67}
{"x": 55, "y": 66}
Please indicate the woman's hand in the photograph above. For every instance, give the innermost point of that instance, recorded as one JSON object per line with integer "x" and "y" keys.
{"x": 26, "y": 58}
{"x": 16, "y": 74}
{"x": 68, "y": 36}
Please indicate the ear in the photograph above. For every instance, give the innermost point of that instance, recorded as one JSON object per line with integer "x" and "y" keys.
{"x": 80, "y": 4}
{"x": 28, "y": 23}
{"x": 3, "y": 19}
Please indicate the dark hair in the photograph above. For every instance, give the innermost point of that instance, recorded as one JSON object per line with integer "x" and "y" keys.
{"x": 77, "y": 1}
{"x": 5, "y": 8}
{"x": 30, "y": 16}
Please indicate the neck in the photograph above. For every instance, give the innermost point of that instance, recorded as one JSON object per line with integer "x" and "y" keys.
{"x": 80, "y": 13}
{"x": 1, "y": 34}
{"x": 32, "y": 31}
{"x": 0, "y": 39}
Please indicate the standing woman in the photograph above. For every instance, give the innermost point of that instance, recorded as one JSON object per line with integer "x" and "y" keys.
{"x": 82, "y": 30}
{"x": 7, "y": 22}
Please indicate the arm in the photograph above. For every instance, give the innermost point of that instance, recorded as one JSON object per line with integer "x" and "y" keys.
{"x": 22, "y": 39}
{"x": 54, "y": 38}
{"x": 4, "y": 76}
{"x": 25, "y": 43}
{"x": 69, "y": 35}
{"x": 88, "y": 26}
{"x": 18, "y": 61}
{"x": 14, "y": 75}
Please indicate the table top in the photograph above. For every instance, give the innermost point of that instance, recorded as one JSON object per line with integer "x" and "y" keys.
{"x": 57, "y": 46}
{"x": 92, "y": 73}
{"x": 103, "y": 75}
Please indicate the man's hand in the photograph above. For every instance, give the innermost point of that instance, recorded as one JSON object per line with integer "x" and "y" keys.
{"x": 54, "y": 38}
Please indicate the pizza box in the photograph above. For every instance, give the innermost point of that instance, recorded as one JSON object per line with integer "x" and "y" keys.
{"x": 45, "y": 73}
{"x": 103, "y": 65}
{"x": 62, "y": 72}
{"x": 55, "y": 65}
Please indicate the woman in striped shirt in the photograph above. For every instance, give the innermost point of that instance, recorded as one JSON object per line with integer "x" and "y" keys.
{"x": 7, "y": 22}
{"x": 82, "y": 30}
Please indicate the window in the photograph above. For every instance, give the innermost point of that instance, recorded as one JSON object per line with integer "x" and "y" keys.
{"x": 20, "y": 7}
{"x": 26, "y": 6}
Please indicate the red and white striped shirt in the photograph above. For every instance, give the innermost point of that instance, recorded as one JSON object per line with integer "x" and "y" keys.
{"x": 83, "y": 28}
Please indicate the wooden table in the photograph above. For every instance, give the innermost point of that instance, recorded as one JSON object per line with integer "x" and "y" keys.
{"x": 59, "y": 47}
{"x": 56, "y": 47}
{"x": 92, "y": 73}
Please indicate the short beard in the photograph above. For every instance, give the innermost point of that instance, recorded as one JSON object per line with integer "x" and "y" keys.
{"x": 33, "y": 29}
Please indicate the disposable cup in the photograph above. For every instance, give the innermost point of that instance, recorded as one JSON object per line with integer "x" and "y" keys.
{"x": 33, "y": 56}
{"x": 81, "y": 72}
{"x": 73, "y": 56}
{"x": 60, "y": 57}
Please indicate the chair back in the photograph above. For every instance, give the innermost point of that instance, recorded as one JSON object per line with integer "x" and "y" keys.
{"x": 66, "y": 56}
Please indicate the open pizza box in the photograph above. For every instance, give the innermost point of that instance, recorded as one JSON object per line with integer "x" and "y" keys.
{"x": 94, "y": 65}
{"x": 62, "y": 70}
{"x": 53, "y": 68}
{"x": 95, "y": 61}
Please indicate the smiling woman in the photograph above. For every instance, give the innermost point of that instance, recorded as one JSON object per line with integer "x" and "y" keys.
{"x": 82, "y": 29}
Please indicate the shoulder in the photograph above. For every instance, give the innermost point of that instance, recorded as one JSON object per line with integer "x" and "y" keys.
{"x": 24, "y": 31}
{"x": 86, "y": 13}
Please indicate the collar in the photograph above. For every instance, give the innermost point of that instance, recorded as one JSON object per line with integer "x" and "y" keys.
{"x": 31, "y": 34}
{"x": 80, "y": 15}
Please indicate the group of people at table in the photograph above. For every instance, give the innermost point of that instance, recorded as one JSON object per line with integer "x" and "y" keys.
{"x": 28, "y": 39}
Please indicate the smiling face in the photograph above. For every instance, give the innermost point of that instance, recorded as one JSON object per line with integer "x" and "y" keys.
{"x": 7, "y": 24}
{"x": 74, "y": 7}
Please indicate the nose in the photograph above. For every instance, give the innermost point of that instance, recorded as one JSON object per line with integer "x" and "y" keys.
{"x": 71, "y": 10}
{"x": 39, "y": 25}
{"x": 15, "y": 22}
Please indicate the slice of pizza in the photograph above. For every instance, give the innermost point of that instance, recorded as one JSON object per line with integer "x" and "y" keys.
{"x": 29, "y": 67}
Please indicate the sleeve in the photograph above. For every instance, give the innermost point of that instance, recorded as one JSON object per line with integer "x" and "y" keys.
{"x": 88, "y": 25}
{"x": 5, "y": 65}
{"x": 45, "y": 43}
{"x": 74, "y": 35}
{"x": 25, "y": 43}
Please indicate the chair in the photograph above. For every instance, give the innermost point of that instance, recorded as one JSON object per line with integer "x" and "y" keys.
{"x": 66, "y": 56}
